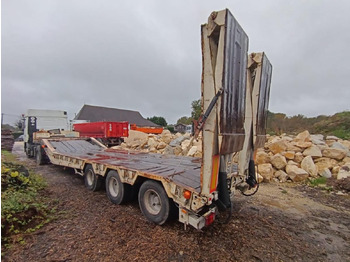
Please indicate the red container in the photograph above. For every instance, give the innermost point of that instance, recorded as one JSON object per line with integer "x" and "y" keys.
{"x": 103, "y": 129}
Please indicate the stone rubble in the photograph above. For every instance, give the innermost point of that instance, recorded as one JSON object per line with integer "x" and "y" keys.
{"x": 284, "y": 158}
{"x": 7, "y": 140}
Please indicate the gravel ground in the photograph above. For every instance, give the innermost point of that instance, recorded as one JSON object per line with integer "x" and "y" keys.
{"x": 280, "y": 223}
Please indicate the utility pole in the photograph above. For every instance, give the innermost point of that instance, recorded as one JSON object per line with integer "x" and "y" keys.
{"x": 2, "y": 119}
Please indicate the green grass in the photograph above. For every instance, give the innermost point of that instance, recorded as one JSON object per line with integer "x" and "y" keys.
{"x": 321, "y": 182}
{"x": 318, "y": 181}
{"x": 7, "y": 156}
{"x": 341, "y": 133}
{"x": 23, "y": 208}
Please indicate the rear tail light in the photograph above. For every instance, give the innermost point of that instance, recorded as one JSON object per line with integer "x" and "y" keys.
{"x": 187, "y": 194}
{"x": 209, "y": 219}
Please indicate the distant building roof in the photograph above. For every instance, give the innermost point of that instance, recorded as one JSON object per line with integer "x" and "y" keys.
{"x": 99, "y": 113}
{"x": 180, "y": 124}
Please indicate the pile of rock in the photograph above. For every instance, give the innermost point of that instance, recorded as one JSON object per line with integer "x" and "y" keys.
{"x": 284, "y": 158}
{"x": 165, "y": 143}
{"x": 297, "y": 158}
{"x": 7, "y": 139}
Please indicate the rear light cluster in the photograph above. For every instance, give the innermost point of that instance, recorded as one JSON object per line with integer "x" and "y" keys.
{"x": 187, "y": 194}
{"x": 209, "y": 219}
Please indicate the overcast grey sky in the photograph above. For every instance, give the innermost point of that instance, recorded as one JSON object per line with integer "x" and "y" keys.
{"x": 146, "y": 55}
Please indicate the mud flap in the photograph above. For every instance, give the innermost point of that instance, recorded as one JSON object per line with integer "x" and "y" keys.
{"x": 224, "y": 201}
{"x": 251, "y": 180}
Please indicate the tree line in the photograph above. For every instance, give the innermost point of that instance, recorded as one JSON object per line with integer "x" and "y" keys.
{"x": 337, "y": 124}
{"x": 186, "y": 120}
{"x": 279, "y": 123}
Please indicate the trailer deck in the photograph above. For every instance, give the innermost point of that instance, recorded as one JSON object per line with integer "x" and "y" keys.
{"x": 181, "y": 170}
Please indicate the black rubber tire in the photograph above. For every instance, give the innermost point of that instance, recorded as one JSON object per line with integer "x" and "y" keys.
{"x": 117, "y": 192}
{"x": 93, "y": 182}
{"x": 28, "y": 155}
{"x": 154, "y": 202}
{"x": 40, "y": 159}
{"x": 26, "y": 149}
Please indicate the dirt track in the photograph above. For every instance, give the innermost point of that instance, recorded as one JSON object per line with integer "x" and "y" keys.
{"x": 279, "y": 223}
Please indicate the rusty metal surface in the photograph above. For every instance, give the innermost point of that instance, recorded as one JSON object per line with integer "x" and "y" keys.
{"x": 184, "y": 171}
{"x": 77, "y": 146}
{"x": 263, "y": 103}
{"x": 234, "y": 83}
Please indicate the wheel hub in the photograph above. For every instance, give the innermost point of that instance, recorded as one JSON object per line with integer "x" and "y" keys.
{"x": 89, "y": 177}
{"x": 113, "y": 187}
{"x": 153, "y": 202}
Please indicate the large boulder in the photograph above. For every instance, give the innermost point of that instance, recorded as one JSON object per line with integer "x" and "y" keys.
{"x": 136, "y": 138}
{"x": 313, "y": 151}
{"x": 291, "y": 162}
{"x": 289, "y": 155}
{"x": 342, "y": 145}
{"x": 262, "y": 158}
{"x": 178, "y": 134}
{"x": 166, "y": 136}
{"x": 309, "y": 166}
{"x": 302, "y": 144}
{"x": 335, "y": 170}
{"x": 161, "y": 145}
{"x": 266, "y": 171}
{"x": 298, "y": 157}
{"x": 168, "y": 150}
{"x": 334, "y": 153}
{"x": 177, "y": 150}
{"x": 303, "y": 140}
{"x": 303, "y": 136}
{"x": 185, "y": 144}
{"x": 324, "y": 162}
{"x": 177, "y": 141}
{"x": 317, "y": 139}
{"x": 278, "y": 161}
{"x": 345, "y": 143}
{"x": 197, "y": 142}
{"x": 278, "y": 146}
{"x": 296, "y": 174}
{"x": 281, "y": 175}
{"x": 344, "y": 172}
{"x": 346, "y": 159}
{"x": 187, "y": 135}
{"x": 334, "y": 138}
{"x": 339, "y": 146}
{"x": 152, "y": 142}
{"x": 192, "y": 151}
{"x": 292, "y": 147}
{"x": 325, "y": 173}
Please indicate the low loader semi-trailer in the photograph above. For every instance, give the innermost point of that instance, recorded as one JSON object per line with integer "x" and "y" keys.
{"x": 234, "y": 95}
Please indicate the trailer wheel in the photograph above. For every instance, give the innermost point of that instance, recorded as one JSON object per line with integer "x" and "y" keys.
{"x": 92, "y": 180}
{"x": 154, "y": 202}
{"x": 27, "y": 150}
{"x": 39, "y": 156}
{"x": 117, "y": 192}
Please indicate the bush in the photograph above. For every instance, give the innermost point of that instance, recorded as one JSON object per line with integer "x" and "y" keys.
{"x": 22, "y": 207}
{"x": 171, "y": 129}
